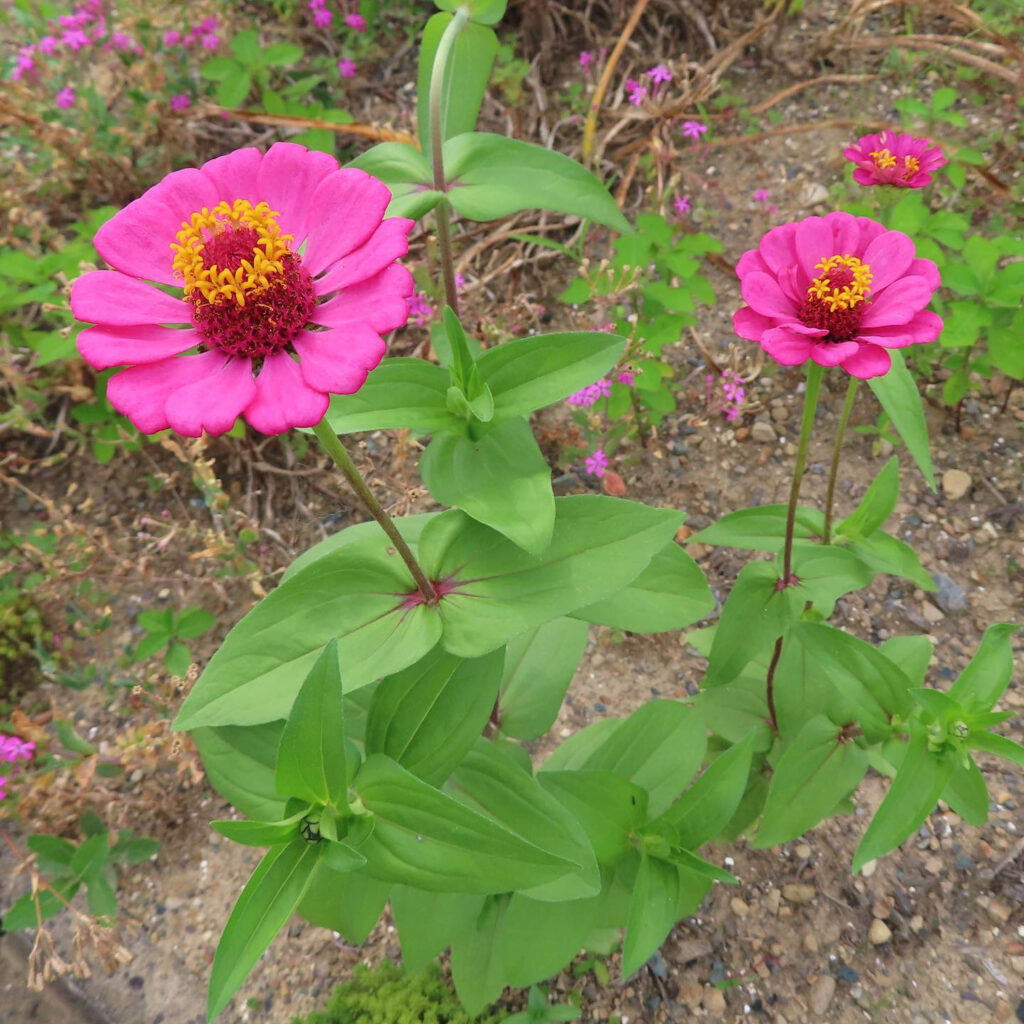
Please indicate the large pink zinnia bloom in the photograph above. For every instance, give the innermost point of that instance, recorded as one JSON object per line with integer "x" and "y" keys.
{"x": 289, "y": 279}
{"x": 890, "y": 159}
{"x": 838, "y": 290}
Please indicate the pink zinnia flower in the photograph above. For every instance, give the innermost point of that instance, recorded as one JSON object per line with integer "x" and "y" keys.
{"x": 839, "y": 290}
{"x": 694, "y": 129}
{"x": 66, "y": 98}
{"x": 596, "y": 462}
{"x": 289, "y": 279}
{"x": 347, "y": 67}
{"x": 890, "y": 159}
{"x": 356, "y": 22}
{"x": 180, "y": 102}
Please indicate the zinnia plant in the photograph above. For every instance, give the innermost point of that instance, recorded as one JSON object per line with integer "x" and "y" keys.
{"x": 888, "y": 158}
{"x": 288, "y": 277}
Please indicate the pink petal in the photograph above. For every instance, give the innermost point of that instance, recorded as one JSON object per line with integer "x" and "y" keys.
{"x": 287, "y": 179}
{"x": 235, "y": 174}
{"x": 832, "y": 354}
{"x": 897, "y": 303}
{"x": 378, "y": 302}
{"x": 926, "y": 269}
{"x": 750, "y": 325}
{"x": 763, "y": 294}
{"x": 870, "y": 361}
{"x": 141, "y": 392}
{"x": 103, "y": 347}
{"x": 789, "y": 345}
{"x": 925, "y": 327}
{"x": 889, "y": 255}
{"x": 338, "y": 361}
{"x": 349, "y": 207}
{"x": 111, "y": 298}
{"x": 384, "y": 246}
{"x": 137, "y": 240}
{"x": 751, "y": 260}
{"x": 813, "y": 243}
{"x": 778, "y": 248}
{"x": 282, "y": 399}
{"x": 863, "y": 176}
{"x": 869, "y": 231}
{"x": 845, "y": 232}
{"x": 214, "y": 401}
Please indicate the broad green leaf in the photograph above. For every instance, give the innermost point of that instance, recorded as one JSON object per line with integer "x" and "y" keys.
{"x": 539, "y": 666}
{"x": 427, "y": 839}
{"x": 882, "y": 553}
{"x": 400, "y": 393}
{"x": 608, "y": 807}
{"x": 486, "y": 12}
{"x": 428, "y": 716}
{"x": 993, "y": 743}
{"x": 817, "y": 770}
{"x": 1005, "y": 348}
{"x": 659, "y": 747}
{"x": 465, "y": 80}
{"x": 340, "y": 856}
{"x": 311, "y": 755}
{"x": 193, "y": 622}
{"x": 912, "y": 653}
{"x": 706, "y": 807}
{"x": 159, "y": 622}
{"x": 802, "y": 690}
{"x": 407, "y": 172}
{"x": 234, "y": 87}
{"x": 740, "y": 707}
{"x": 347, "y": 902}
{"x": 919, "y": 783}
{"x": 652, "y": 912}
{"x": 938, "y": 706}
{"x": 261, "y": 833}
{"x": 100, "y": 894}
{"x": 491, "y": 782}
{"x": 826, "y": 572}
{"x": 502, "y": 480}
{"x": 967, "y": 794}
{"x": 24, "y": 914}
{"x": 898, "y": 394}
{"x": 988, "y": 673}
{"x": 877, "y": 504}
{"x": 762, "y": 528}
{"x": 267, "y": 901}
{"x": 530, "y": 373}
{"x": 478, "y": 970}
{"x": 429, "y": 922}
{"x": 670, "y": 593}
{"x": 246, "y": 46}
{"x": 755, "y": 614}
{"x": 239, "y": 763}
{"x": 53, "y": 854}
{"x": 491, "y": 176}
{"x": 216, "y": 69}
{"x": 496, "y": 591}
{"x": 698, "y": 866}
{"x": 355, "y": 595}
{"x": 91, "y": 854}
{"x": 280, "y": 55}
{"x": 574, "y": 752}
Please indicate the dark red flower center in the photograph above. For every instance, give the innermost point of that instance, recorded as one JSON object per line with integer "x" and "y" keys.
{"x": 837, "y": 298}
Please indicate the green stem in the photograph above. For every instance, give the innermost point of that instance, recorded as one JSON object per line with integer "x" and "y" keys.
{"x": 833, "y": 472}
{"x": 437, "y": 74}
{"x": 333, "y": 446}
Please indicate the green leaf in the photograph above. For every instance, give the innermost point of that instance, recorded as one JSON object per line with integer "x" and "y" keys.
{"x": 178, "y": 660}
{"x": 133, "y": 849}
{"x": 938, "y": 706}
{"x": 193, "y": 622}
{"x": 465, "y": 80}
{"x": 755, "y": 614}
{"x": 491, "y": 176}
{"x": 400, "y": 393}
{"x": 913, "y": 654}
{"x": 652, "y": 912}
{"x": 346, "y": 902}
{"x": 246, "y": 46}
{"x": 882, "y": 553}
{"x": 599, "y": 545}
{"x": 1005, "y": 348}
{"x": 267, "y": 901}
{"x": 216, "y": 69}
{"x": 967, "y": 794}
{"x": 539, "y": 666}
{"x": 817, "y": 770}
{"x": 239, "y": 763}
{"x": 355, "y": 595}
{"x": 100, "y": 895}
{"x": 311, "y": 756}
{"x": 707, "y": 806}
{"x": 670, "y": 593}
{"x": 993, "y": 743}
{"x": 877, "y": 504}
{"x": 530, "y": 373}
{"x": 234, "y": 87}
{"x": 424, "y": 838}
{"x": 428, "y": 716}
{"x": 91, "y": 854}
{"x": 762, "y": 528}
{"x": 988, "y": 673}
{"x": 161, "y": 622}
{"x": 429, "y": 922}
{"x": 826, "y": 572}
{"x": 919, "y": 783}
{"x": 280, "y": 55}
{"x": 53, "y": 854}
{"x": 502, "y": 480}
{"x": 340, "y": 857}
{"x": 897, "y": 392}
{"x": 478, "y": 970}
{"x": 149, "y": 645}
{"x": 407, "y": 172}
{"x": 23, "y": 912}
{"x": 486, "y": 12}
{"x": 261, "y": 833}
{"x": 574, "y": 752}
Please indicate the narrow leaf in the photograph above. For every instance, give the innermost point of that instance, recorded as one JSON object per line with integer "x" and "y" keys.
{"x": 652, "y": 912}
{"x": 898, "y": 394}
{"x": 988, "y": 673}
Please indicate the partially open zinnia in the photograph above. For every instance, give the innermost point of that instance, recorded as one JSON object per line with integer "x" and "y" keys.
{"x": 288, "y": 278}
{"x": 891, "y": 159}
{"x": 839, "y": 290}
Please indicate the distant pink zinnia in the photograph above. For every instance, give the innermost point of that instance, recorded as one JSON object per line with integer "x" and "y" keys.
{"x": 289, "y": 278}
{"x": 890, "y": 159}
{"x": 839, "y": 290}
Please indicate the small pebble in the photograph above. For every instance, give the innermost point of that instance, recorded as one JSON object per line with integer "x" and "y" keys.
{"x": 798, "y": 892}
{"x": 822, "y": 991}
{"x": 879, "y": 933}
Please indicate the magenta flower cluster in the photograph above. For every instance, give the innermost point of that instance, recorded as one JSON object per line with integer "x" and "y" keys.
{"x": 323, "y": 16}
{"x": 596, "y": 462}
{"x": 593, "y": 393}
{"x": 203, "y": 34}
{"x": 733, "y": 393}
{"x": 13, "y": 750}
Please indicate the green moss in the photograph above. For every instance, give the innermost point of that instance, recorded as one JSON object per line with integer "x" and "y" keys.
{"x": 387, "y": 995}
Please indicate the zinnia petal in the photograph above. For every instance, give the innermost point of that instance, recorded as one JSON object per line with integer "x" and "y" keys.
{"x": 764, "y": 296}
{"x": 350, "y": 207}
{"x": 141, "y": 392}
{"x": 103, "y": 347}
{"x": 749, "y": 324}
{"x": 287, "y": 180}
{"x": 889, "y": 256}
{"x": 384, "y": 246}
{"x": 869, "y": 361}
{"x": 789, "y": 345}
{"x": 215, "y": 400}
{"x": 380, "y": 302}
{"x": 236, "y": 174}
{"x": 283, "y": 399}
{"x": 112, "y": 298}
{"x": 339, "y": 360}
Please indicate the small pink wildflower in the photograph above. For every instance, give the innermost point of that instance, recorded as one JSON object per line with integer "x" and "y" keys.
{"x": 356, "y": 22}
{"x": 608, "y": 327}
{"x": 25, "y": 65}
{"x": 626, "y": 377}
{"x": 761, "y": 195}
{"x": 180, "y": 102}
{"x": 734, "y": 393}
{"x": 904, "y": 161}
{"x": 681, "y": 204}
{"x": 209, "y": 25}
{"x": 210, "y": 41}
{"x": 591, "y": 394}
{"x": 347, "y": 67}
{"x": 66, "y": 98}
{"x": 460, "y": 282}
{"x": 3, "y": 784}
{"x": 74, "y": 39}
{"x": 48, "y": 44}
{"x": 658, "y": 75}
{"x": 637, "y": 93}
{"x": 694, "y": 129}
{"x": 596, "y": 462}
{"x": 586, "y": 59}
{"x": 13, "y": 748}
{"x": 420, "y": 311}
{"x": 121, "y": 41}
{"x": 172, "y": 37}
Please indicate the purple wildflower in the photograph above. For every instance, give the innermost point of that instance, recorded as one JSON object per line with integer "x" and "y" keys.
{"x": 74, "y": 39}
{"x": 180, "y": 102}
{"x": 356, "y": 22}
{"x": 420, "y": 311}
{"x": 48, "y": 44}
{"x": 637, "y": 92}
{"x": 761, "y": 195}
{"x": 597, "y": 462}
{"x": 66, "y": 97}
{"x": 172, "y": 37}
{"x": 347, "y": 67}
{"x": 694, "y": 129}
{"x": 626, "y": 377}
{"x": 586, "y": 59}
{"x": 681, "y": 204}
